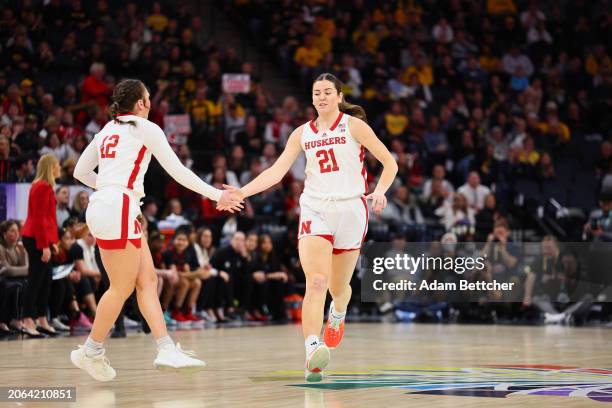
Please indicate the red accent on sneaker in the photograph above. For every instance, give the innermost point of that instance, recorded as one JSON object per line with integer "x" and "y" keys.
{"x": 260, "y": 317}
{"x": 179, "y": 316}
{"x": 331, "y": 336}
{"x": 309, "y": 361}
{"x": 193, "y": 318}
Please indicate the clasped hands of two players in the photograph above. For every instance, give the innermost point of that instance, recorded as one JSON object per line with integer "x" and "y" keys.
{"x": 232, "y": 200}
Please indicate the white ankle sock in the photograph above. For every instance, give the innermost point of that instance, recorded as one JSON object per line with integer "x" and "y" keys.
{"x": 334, "y": 314}
{"x": 93, "y": 348}
{"x": 311, "y": 343}
{"x": 164, "y": 342}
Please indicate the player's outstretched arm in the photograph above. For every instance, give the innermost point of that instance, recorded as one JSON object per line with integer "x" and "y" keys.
{"x": 275, "y": 173}
{"x": 84, "y": 169}
{"x": 155, "y": 140}
{"x": 364, "y": 134}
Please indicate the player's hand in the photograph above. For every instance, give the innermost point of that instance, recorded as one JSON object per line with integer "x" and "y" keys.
{"x": 237, "y": 190}
{"x": 231, "y": 199}
{"x": 379, "y": 201}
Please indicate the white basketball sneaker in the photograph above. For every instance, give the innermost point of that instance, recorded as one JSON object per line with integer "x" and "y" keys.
{"x": 174, "y": 358}
{"x": 97, "y": 367}
{"x": 316, "y": 363}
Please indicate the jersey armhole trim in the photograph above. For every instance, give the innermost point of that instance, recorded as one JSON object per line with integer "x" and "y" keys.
{"x": 136, "y": 168}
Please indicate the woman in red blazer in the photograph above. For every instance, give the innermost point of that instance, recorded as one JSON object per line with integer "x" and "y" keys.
{"x": 39, "y": 236}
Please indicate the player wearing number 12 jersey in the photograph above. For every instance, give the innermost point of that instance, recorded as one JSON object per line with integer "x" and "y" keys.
{"x": 334, "y": 213}
{"x": 122, "y": 151}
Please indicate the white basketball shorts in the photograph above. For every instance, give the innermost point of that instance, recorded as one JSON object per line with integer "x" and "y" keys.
{"x": 344, "y": 223}
{"x": 113, "y": 217}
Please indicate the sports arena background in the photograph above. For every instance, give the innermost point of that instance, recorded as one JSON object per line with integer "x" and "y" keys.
{"x": 497, "y": 111}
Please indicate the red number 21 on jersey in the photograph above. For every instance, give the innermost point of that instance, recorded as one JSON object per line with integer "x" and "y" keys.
{"x": 325, "y": 156}
{"x": 107, "y": 150}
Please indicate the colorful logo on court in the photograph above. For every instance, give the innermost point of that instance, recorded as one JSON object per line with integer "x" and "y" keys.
{"x": 493, "y": 381}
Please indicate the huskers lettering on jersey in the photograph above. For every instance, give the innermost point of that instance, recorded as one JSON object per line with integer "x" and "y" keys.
{"x": 334, "y": 161}
{"x": 324, "y": 142}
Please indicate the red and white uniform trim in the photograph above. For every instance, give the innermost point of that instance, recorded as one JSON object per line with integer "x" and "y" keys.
{"x": 333, "y": 203}
{"x": 122, "y": 153}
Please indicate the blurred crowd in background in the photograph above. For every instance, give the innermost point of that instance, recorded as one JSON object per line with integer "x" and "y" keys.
{"x": 493, "y": 109}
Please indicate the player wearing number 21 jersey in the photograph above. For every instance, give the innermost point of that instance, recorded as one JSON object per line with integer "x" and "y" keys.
{"x": 333, "y": 211}
{"x": 333, "y": 204}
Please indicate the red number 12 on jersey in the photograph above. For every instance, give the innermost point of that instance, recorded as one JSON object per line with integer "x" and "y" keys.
{"x": 107, "y": 150}
{"x": 325, "y": 156}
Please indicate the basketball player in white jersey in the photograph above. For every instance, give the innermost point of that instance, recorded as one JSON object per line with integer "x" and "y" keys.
{"x": 122, "y": 151}
{"x": 334, "y": 213}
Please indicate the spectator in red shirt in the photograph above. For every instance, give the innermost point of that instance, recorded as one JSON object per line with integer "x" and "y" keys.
{"x": 39, "y": 236}
{"x": 7, "y": 163}
{"x": 94, "y": 87}
{"x": 13, "y": 96}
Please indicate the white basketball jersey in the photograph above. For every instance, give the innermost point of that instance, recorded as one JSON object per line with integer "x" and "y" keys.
{"x": 334, "y": 161}
{"x": 123, "y": 158}
{"x": 122, "y": 154}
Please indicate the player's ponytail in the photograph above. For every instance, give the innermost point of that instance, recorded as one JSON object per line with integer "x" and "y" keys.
{"x": 113, "y": 110}
{"x": 353, "y": 110}
{"x": 348, "y": 108}
{"x": 126, "y": 94}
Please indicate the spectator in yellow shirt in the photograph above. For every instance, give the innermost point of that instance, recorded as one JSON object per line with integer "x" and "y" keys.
{"x": 378, "y": 16}
{"x": 308, "y": 55}
{"x": 368, "y": 38}
{"x": 501, "y": 7}
{"x": 553, "y": 126}
{"x": 156, "y": 20}
{"x": 598, "y": 61}
{"x": 422, "y": 69}
{"x": 400, "y": 17}
{"x": 528, "y": 155}
{"x": 396, "y": 121}
{"x": 322, "y": 42}
{"x": 203, "y": 111}
{"x": 488, "y": 61}
{"x": 325, "y": 25}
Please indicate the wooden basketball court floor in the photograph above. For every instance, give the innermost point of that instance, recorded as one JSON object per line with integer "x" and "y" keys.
{"x": 378, "y": 365}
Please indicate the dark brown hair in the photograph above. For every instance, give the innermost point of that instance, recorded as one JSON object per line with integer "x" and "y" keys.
{"x": 4, "y": 226}
{"x": 348, "y": 108}
{"x": 501, "y": 222}
{"x": 126, "y": 94}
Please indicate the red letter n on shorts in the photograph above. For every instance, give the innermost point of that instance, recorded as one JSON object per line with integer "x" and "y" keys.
{"x": 305, "y": 229}
{"x": 137, "y": 228}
